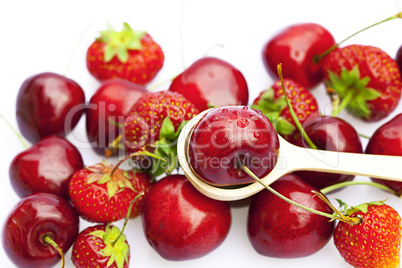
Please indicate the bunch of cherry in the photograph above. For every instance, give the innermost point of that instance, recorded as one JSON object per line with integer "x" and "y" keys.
{"x": 180, "y": 223}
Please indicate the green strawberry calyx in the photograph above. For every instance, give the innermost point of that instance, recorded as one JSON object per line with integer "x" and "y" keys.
{"x": 166, "y": 147}
{"x": 353, "y": 91}
{"x": 118, "y": 43}
{"x": 348, "y": 211}
{"x": 272, "y": 108}
{"x": 116, "y": 248}
{"x": 116, "y": 182}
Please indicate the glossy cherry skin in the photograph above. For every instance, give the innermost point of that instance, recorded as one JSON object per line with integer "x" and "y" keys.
{"x": 229, "y": 136}
{"x": 48, "y": 104}
{"x": 31, "y": 219}
{"x": 45, "y": 167}
{"x": 279, "y": 229}
{"x": 211, "y": 82}
{"x": 180, "y": 223}
{"x": 330, "y": 134}
{"x": 108, "y": 106}
{"x": 398, "y": 58}
{"x": 387, "y": 140}
{"x": 295, "y": 47}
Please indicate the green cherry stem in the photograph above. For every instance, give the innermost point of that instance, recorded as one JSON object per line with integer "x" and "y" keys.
{"x": 250, "y": 173}
{"x": 364, "y": 136}
{"x": 15, "y": 132}
{"x": 337, "y": 216}
{"x": 75, "y": 48}
{"x": 350, "y": 183}
{"x": 292, "y": 112}
{"x": 155, "y": 86}
{"x": 127, "y": 217}
{"x": 51, "y": 242}
{"x": 319, "y": 57}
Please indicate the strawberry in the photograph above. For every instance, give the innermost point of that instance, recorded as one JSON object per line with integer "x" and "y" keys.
{"x": 128, "y": 54}
{"x": 366, "y": 79}
{"x": 101, "y": 197}
{"x": 273, "y": 104}
{"x": 375, "y": 242}
{"x": 96, "y": 246}
{"x": 154, "y": 124}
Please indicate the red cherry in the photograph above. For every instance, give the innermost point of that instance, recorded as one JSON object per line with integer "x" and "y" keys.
{"x": 48, "y": 104}
{"x": 279, "y": 229}
{"x": 108, "y": 106}
{"x": 331, "y": 134}
{"x": 295, "y": 47}
{"x": 228, "y": 135}
{"x": 180, "y": 223}
{"x": 211, "y": 82}
{"x": 32, "y": 219}
{"x": 398, "y": 58}
{"x": 45, "y": 167}
{"x": 387, "y": 140}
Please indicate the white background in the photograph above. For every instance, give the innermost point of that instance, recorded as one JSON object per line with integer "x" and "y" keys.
{"x": 39, "y": 36}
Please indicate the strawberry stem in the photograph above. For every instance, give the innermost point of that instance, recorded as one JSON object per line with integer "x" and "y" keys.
{"x": 319, "y": 57}
{"x": 15, "y": 132}
{"x": 127, "y": 217}
{"x": 51, "y": 242}
{"x": 350, "y": 183}
{"x": 344, "y": 103}
{"x": 292, "y": 112}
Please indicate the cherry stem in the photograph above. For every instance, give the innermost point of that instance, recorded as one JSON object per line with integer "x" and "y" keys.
{"x": 127, "y": 217}
{"x": 350, "y": 183}
{"x": 319, "y": 57}
{"x": 181, "y": 34}
{"x": 249, "y": 172}
{"x": 155, "y": 86}
{"x": 339, "y": 216}
{"x": 142, "y": 152}
{"x": 51, "y": 242}
{"x": 347, "y": 219}
{"x": 75, "y": 48}
{"x": 292, "y": 112}
{"x": 345, "y": 102}
{"x": 16, "y": 132}
{"x": 214, "y": 46}
{"x": 364, "y": 136}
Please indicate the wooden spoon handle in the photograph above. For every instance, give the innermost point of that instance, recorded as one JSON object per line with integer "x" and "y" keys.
{"x": 375, "y": 166}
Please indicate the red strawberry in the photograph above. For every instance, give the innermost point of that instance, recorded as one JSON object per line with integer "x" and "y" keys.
{"x": 373, "y": 243}
{"x": 99, "y": 197}
{"x": 154, "y": 124}
{"x": 273, "y": 104}
{"x": 96, "y": 246}
{"x": 128, "y": 54}
{"x": 366, "y": 79}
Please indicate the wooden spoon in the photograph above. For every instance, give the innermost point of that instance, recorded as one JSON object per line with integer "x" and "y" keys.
{"x": 291, "y": 158}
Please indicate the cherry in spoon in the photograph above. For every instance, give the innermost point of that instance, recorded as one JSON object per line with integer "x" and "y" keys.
{"x": 287, "y": 158}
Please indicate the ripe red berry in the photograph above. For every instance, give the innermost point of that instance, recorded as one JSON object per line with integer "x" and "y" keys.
{"x": 375, "y": 242}
{"x": 127, "y": 54}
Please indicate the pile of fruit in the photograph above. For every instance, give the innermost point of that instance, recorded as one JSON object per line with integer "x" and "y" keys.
{"x": 129, "y": 125}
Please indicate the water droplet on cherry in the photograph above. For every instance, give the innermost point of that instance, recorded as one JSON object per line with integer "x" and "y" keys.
{"x": 243, "y": 122}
